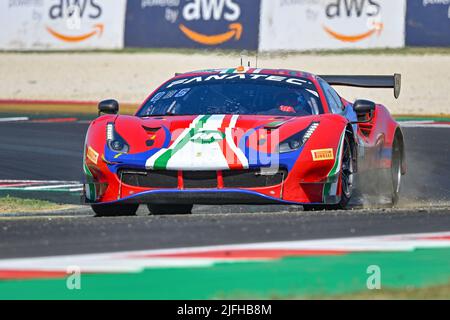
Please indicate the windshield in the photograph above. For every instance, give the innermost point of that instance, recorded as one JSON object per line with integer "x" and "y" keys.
{"x": 251, "y": 94}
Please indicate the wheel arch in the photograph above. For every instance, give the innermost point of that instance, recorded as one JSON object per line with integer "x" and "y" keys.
{"x": 354, "y": 144}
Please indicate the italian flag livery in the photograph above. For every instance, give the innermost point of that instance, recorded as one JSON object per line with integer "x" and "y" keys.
{"x": 243, "y": 136}
{"x": 207, "y": 144}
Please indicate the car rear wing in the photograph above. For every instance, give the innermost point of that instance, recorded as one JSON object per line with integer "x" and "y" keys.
{"x": 394, "y": 82}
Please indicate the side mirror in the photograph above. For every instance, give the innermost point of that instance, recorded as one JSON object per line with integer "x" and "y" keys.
{"x": 108, "y": 107}
{"x": 362, "y": 109}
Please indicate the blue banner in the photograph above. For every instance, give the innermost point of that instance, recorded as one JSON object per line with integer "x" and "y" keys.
{"x": 232, "y": 24}
{"x": 428, "y": 23}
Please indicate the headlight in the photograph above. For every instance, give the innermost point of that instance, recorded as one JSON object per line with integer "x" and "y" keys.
{"x": 296, "y": 141}
{"x": 115, "y": 141}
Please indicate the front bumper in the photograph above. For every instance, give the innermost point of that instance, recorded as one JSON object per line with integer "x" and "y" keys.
{"x": 304, "y": 184}
{"x": 201, "y": 196}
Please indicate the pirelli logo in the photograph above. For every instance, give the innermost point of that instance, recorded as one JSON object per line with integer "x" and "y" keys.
{"x": 92, "y": 155}
{"x": 322, "y": 154}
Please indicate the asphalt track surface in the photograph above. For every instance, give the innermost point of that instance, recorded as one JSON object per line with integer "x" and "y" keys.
{"x": 52, "y": 151}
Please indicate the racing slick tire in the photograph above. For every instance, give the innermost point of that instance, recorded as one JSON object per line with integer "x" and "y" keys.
{"x": 389, "y": 180}
{"x": 112, "y": 210}
{"x": 396, "y": 171}
{"x": 162, "y": 209}
{"x": 346, "y": 181}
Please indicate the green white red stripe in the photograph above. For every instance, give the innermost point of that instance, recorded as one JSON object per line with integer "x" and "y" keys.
{"x": 330, "y": 189}
{"x": 207, "y": 144}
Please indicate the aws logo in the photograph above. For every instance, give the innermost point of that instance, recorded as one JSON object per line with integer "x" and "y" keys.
{"x": 210, "y": 11}
{"x": 73, "y": 13}
{"x": 354, "y": 9}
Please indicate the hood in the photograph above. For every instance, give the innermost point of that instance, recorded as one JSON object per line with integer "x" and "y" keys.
{"x": 206, "y": 142}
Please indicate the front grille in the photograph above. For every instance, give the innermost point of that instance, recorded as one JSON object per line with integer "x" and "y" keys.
{"x": 150, "y": 178}
{"x": 200, "y": 179}
{"x": 252, "y": 178}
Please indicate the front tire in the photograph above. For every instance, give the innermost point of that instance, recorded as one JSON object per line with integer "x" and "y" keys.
{"x": 163, "y": 209}
{"x": 114, "y": 210}
{"x": 345, "y": 183}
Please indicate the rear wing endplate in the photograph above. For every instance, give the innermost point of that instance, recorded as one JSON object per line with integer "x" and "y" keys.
{"x": 394, "y": 82}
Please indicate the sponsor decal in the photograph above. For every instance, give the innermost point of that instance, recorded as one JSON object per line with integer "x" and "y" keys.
{"x": 428, "y": 23}
{"x": 212, "y": 40}
{"x": 98, "y": 29}
{"x": 238, "y": 76}
{"x": 348, "y": 9}
{"x": 74, "y": 14}
{"x": 207, "y": 10}
{"x": 92, "y": 155}
{"x": 322, "y": 154}
{"x": 331, "y": 24}
{"x": 63, "y": 24}
{"x": 193, "y": 23}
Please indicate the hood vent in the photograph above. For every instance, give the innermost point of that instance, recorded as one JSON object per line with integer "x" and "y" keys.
{"x": 151, "y": 129}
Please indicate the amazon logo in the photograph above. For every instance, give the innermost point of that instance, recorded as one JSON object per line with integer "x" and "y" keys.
{"x": 212, "y": 10}
{"x": 346, "y": 9}
{"x": 75, "y": 13}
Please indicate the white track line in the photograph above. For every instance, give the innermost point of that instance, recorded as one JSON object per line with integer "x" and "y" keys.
{"x": 14, "y": 119}
{"x": 58, "y": 186}
{"x": 40, "y": 185}
{"x": 75, "y": 189}
{"x": 412, "y": 125}
{"x": 38, "y": 181}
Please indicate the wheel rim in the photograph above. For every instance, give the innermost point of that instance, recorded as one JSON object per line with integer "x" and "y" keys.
{"x": 347, "y": 171}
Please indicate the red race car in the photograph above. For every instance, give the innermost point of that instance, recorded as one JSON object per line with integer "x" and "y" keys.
{"x": 243, "y": 136}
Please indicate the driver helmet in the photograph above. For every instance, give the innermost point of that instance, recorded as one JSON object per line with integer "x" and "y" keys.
{"x": 287, "y": 101}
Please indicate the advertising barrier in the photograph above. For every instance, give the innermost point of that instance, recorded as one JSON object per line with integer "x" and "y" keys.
{"x": 61, "y": 24}
{"x": 428, "y": 23}
{"x": 192, "y": 24}
{"x": 265, "y": 25}
{"x": 331, "y": 24}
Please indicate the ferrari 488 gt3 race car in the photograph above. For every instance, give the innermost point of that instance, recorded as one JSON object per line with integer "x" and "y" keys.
{"x": 243, "y": 136}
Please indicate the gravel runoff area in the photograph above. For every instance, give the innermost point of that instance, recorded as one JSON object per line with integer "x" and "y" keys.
{"x": 130, "y": 77}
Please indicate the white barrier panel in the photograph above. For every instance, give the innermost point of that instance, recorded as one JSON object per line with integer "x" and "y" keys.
{"x": 331, "y": 24}
{"x": 62, "y": 24}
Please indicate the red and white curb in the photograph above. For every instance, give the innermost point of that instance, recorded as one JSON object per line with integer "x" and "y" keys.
{"x": 40, "y": 185}
{"x": 137, "y": 261}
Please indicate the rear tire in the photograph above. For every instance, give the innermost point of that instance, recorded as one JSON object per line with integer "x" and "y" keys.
{"x": 346, "y": 181}
{"x": 114, "y": 210}
{"x": 396, "y": 171}
{"x": 162, "y": 209}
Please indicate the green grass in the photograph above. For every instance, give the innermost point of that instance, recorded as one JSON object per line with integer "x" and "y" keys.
{"x": 183, "y": 51}
{"x": 12, "y": 204}
{"x": 440, "y": 292}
